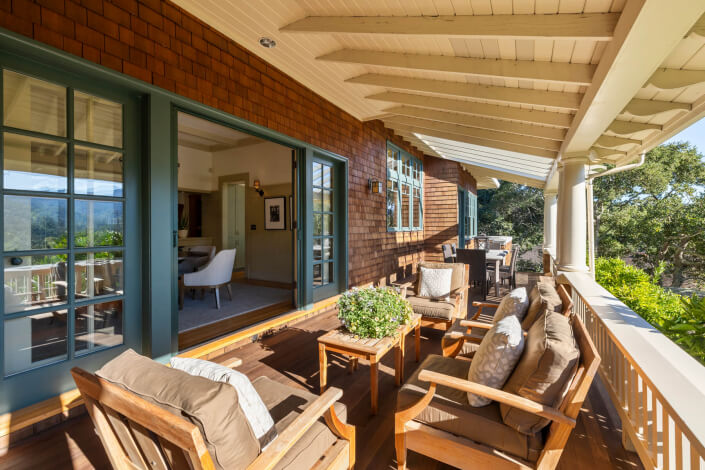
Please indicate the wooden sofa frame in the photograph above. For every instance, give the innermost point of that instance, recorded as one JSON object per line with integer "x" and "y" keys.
{"x": 466, "y": 454}
{"x": 458, "y": 338}
{"x": 460, "y": 301}
{"x": 139, "y": 434}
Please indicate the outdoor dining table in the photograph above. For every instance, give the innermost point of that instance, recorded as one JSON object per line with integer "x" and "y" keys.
{"x": 497, "y": 258}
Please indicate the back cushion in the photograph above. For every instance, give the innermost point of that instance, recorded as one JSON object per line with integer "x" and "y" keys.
{"x": 545, "y": 370}
{"x": 457, "y": 279}
{"x": 543, "y": 296}
{"x": 212, "y": 406}
{"x": 435, "y": 283}
{"x": 515, "y": 303}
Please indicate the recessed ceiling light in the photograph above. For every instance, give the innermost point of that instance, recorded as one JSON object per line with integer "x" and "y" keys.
{"x": 267, "y": 42}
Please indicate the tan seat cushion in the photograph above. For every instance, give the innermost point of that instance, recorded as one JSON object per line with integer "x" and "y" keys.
{"x": 543, "y": 296}
{"x": 545, "y": 370}
{"x": 285, "y": 404}
{"x": 432, "y": 308}
{"x": 457, "y": 279}
{"x": 450, "y": 411}
{"x": 211, "y": 406}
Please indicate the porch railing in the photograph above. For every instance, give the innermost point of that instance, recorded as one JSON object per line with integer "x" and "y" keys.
{"x": 656, "y": 387}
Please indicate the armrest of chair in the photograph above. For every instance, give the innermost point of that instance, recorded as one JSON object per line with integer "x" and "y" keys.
{"x": 403, "y": 285}
{"x": 501, "y": 396}
{"x": 480, "y": 306}
{"x": 286, "y": 440}
{"x": 475, "y": 324}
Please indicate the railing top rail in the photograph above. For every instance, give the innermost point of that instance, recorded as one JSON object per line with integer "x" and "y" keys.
{"x": 678, "y": 377}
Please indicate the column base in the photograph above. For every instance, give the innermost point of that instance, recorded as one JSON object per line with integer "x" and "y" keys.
{"x": 572, "y": 268}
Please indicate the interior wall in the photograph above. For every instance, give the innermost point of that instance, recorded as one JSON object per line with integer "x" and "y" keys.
{"x": 271, "y": 164}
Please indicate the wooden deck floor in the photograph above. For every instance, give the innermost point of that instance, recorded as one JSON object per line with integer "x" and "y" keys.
{"x": 291, "y": 356}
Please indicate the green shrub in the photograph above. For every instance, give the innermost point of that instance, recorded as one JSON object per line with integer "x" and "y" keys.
{"x": 373, "y": 312}
{"x": 681, "y": 319}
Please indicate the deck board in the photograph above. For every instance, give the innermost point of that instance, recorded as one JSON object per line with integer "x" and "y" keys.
{"x": 291, "y": 356}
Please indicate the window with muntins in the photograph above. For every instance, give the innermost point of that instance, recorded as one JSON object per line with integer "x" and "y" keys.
{"x": 62, "y": 153}
{"x": 471, "y": 215}
{"x": 404, "y": 191}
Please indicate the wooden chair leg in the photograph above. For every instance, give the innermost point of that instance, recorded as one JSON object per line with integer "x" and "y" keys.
{"x": 217, "y": 298}
{"x": 400, "y": 445}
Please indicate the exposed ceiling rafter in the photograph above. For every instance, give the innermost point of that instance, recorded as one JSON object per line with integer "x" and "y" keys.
{"x": 595, "y": 26}
{"x": 482, "y": 109}
{"x": 475, "y": 132}
{"x": 552, "y": 99}
{"x": 610, "y": 141}
{"x": 624, "y": 128}
{"x": 549, "y": 72}
{"x": 673, "y": 79}
{"x": 501, "y": 125}
{"x": 481, "y": 142}
{"x": 639, "y": 107}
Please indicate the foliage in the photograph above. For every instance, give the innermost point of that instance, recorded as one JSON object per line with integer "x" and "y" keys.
{"x": 528, "y": 266}
{"x": 183, "y": 221}
{"x": 514, "y": 210}
{"x": 656, "y": 213}
{"x": 373, "y": 312}
{"x": 681, "y": 319}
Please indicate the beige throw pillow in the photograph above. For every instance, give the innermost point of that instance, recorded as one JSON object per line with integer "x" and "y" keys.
{"x": 435, "y": 283}
{"x": 515, "y": 303}
{"x": 496, "y": 357}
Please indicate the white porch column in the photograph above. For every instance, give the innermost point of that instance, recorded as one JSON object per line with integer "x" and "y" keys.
{"x": 572, "y": 213}
{"x": 550, "y": 215}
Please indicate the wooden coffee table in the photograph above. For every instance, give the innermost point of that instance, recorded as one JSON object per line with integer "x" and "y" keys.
{"x": 342, "y": 342}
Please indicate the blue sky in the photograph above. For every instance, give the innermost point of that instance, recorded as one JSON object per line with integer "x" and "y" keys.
{"x": 695, "y": 134}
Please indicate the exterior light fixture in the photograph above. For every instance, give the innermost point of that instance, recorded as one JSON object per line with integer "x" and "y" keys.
{"x": 258, "y": 188}
{"x": 269, "y": 43}
{"x": 374, "y": 186}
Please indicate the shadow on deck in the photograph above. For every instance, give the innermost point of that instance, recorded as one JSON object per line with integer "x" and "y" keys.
{"x": 291, "y": 356}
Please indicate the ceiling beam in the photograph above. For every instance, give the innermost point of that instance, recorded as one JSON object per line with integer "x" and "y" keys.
{"x": 672, "y": 79}
{"x": 553, "y": 99}
{"x": 537, "y": 142}
{"x": 628, "y": 62}
{"x": 482, "y": 109}
{"x": 624, "y": 128}
{"x": 480, "y": 142}
{"x": 593, "y": 26}
{"x": 639, "y": 107}
{"x": 607, "y": 153}
{"x": 610, "y": 141}
{"x": 549, "y": 72}
{"x": 501, "y": 125}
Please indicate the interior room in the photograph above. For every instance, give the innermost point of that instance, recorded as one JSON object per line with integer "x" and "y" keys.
{"x": 235, "y": 204}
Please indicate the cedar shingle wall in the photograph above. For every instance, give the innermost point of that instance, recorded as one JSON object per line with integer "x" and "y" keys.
{"x": 441, "y": 181}
{"x": 159, "y": 43}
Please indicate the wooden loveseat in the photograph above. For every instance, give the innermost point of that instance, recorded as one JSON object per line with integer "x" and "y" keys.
{"x": 163, "y": 425}
{"x": 517, "y": 430}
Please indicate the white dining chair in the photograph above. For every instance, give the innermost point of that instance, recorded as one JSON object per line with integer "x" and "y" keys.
{"x": 214, "y": 275}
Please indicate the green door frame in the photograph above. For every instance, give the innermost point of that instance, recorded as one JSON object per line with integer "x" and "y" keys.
{"x": 158, "y": 191}
{"x": 36, "y": 384}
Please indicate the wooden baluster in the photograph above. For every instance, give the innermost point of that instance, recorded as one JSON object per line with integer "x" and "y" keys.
{"x": 666, "y": 440}
{"x": 694, "y": 458}
{"x": 654, "y": 428}
{"x": 679, "y": 446}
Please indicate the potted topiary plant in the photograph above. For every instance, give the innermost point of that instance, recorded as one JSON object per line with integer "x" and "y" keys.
{"x": 183, "y": 226}
{"x": 373, "y": 312}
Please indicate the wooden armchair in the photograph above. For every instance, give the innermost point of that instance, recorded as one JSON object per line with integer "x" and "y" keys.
{"x": 466, "y": 335}
{"x": 462, "y": 452}
{"x": 439, "y": 314}
{"x": 139, "y": 434}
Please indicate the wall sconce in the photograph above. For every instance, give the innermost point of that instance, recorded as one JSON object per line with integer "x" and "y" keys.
{"x": 258, "y": 188}
{"x": 374, "y": 186}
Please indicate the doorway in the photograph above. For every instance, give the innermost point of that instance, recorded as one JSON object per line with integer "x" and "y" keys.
{"x": 236, "y": 241}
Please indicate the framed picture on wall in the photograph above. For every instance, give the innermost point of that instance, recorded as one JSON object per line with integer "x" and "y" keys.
{"x": 275, "y": 213}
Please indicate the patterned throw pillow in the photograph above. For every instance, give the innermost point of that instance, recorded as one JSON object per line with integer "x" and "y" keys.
{"x": 435, "y": 283}
{"x": 496, "y": 357}
{"x": 514, "y": 303}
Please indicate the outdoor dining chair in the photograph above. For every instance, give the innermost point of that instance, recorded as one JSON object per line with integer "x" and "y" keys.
{"x": 477, "y": 259}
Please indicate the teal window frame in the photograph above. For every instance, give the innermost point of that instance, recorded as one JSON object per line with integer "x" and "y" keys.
{"x": 413, "y": 181}
{"x": 470, "y": 210}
